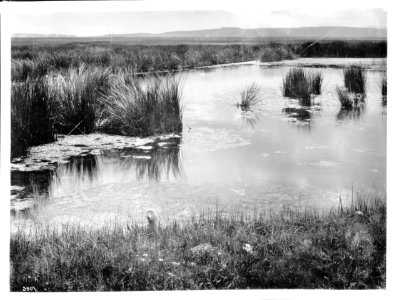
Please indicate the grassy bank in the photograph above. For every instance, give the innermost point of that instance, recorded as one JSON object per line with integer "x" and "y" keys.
{"x": 37, "y": 61}
{"x": 341, "y": 249}
{"x": 89, "y": 99}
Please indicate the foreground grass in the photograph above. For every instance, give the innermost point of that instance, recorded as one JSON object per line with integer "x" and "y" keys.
{"x": 342, "y": 249}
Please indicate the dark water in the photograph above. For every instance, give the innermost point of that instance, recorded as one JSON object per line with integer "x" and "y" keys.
{"x": 279, "y": 156}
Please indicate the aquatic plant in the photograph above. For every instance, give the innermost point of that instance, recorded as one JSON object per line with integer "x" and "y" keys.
{"x": 297, "y": 84}
{"x": 31, "y": 121}
{"x": 249, "y": 97}
{"x": 344, "y": 99}
{"x": 348, "y": 99}
{"x": 316, "y": 81}
{"x": 289, "y": 249}
{"x": 75, "y": 96}
{"x": 142, "y": 106}
{"x": 355, "y": 79}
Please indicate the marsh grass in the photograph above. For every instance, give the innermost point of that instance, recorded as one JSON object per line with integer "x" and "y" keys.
{"x": 277, "y": 52}
{"x": 300, "y": 84}
{"x": 349, "y": 100}
{"x": 142, "y": 106}
{"x": 341, "y": 249}
{"x": 249, "y": 97}
{"x": 355, "y": 79}
{"x": 75, "y": 98}
{"x": 31, "y": 121}
{"x": 316, "y": 82}
{"x": 344, "y": 99}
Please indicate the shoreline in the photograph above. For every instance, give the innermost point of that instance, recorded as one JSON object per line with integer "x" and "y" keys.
{"x": 342, "y": 249}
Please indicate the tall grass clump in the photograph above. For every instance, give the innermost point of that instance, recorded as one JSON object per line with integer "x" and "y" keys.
{"x": 316, "y": 81}
{"x": 249, "y": 97}
{"x": 142, "y": 106}
{"x": 344, "y": 248}
{"x": 355, "y": 79}
{"x": 297, "y": 84}
{"x": 75, "y": 95}
{"x": 31, "y": 120}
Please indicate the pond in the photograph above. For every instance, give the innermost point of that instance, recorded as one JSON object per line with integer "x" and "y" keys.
{"x": 273, "y": 158}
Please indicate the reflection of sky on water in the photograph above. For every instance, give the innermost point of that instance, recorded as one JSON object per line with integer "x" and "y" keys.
{"x": 274, "y": 157}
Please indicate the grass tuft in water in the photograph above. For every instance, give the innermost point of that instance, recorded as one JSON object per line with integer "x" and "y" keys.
{"x": 355, "y": 79}
{"x": 299, "y": 84}
{"x": 249, "y": 97}
{"x": 349, "y": 100}
{"x": 142, "y": 106}
{"x": 341, "y": 249}
{"x": 316, "y": 81}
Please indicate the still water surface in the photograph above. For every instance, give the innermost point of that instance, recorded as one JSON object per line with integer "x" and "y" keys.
{"x": 274, "y": 158}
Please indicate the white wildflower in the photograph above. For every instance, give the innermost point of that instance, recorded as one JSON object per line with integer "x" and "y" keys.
{"x": 144, "y": 255}
{"x": 247, "y": 248}
{"x": 160, "y": 259}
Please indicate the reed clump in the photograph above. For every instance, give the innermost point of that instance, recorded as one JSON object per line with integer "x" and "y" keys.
{"x": 75, "y": 95}
{"x": 355, "y": 79}
{"x": 31, "y": 120}
{"x": 300, "y": 84}
{"x": 142, "y": 106}
{"x": 249, "y": 97}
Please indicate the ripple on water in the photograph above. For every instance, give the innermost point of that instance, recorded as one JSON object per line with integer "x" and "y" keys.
{"x": 205, "y": 139}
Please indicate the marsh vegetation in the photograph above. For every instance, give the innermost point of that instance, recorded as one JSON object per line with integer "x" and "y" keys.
{"x": 302, "y": 85}
{"x": 249, "y": 97}
{"x": 273, "y": 238}
{"x": 342, "y": 249}
{"x": 354, "y": 92}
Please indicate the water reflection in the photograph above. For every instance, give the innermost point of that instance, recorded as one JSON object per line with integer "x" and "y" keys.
{"x": 155, "y": 161}
{"x": 158, "y": 164}
{"x": 249, "y": 119}
{"x": 351, "y": 114}
{"x": 26, "y": 184}
{"x": 79, "y": 169}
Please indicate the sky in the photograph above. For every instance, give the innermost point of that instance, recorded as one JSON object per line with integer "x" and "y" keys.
{"x": 85, "y": 23}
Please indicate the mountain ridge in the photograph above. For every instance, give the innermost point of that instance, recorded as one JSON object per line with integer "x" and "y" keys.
{"x": 326, "y": 32}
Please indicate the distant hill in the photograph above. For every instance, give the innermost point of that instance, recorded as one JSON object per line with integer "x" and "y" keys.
{"x": 35, "y": 35}
{"x": 274, "y": 33}
{"x": 213, "y": 36}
